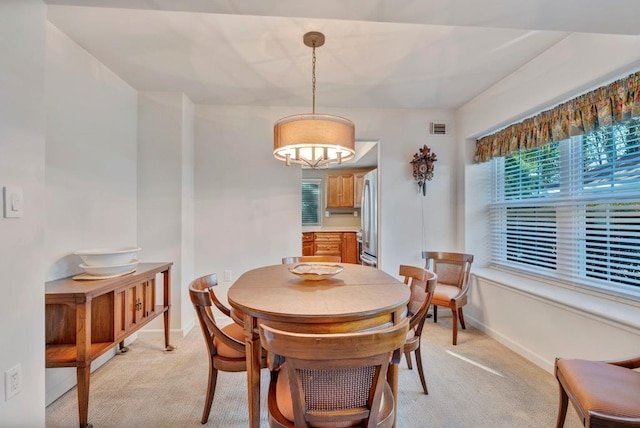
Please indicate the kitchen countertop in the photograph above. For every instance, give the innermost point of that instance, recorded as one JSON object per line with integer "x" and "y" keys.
{"x": 330, "y": 229}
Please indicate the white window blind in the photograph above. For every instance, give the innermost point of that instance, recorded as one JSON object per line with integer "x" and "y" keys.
{"x": 571, "y": 209}
{"x": 311, "y": 202}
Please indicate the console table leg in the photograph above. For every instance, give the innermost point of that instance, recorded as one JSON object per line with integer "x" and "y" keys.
{"x": 167, "y": 304}
{"x": 121, "y": 348}
{"x": 167, "y": 332}
{"x": 83, "y": 376}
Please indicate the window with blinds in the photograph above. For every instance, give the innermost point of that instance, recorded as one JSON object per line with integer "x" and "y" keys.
{"x": 311, "y": 202}
{"x": 571, "y": 209}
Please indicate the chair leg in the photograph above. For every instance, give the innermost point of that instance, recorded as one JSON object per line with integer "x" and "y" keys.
{"x": 454, "y": 324}
{"x": 461, "y": 317}
{"x": 435, "y": 313}
{"x": 562, "y": 407}
{"x": 421, "y": 371}
{"x": 407, "y": 356}
{"x": 211, "y": 390}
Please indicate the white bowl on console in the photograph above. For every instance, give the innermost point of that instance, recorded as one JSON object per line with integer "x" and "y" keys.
{"x": 109, "y": 270}
{"x": 108, "y": 257}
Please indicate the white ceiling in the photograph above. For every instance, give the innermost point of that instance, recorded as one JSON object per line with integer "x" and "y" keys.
{"x": 378, "y": 53}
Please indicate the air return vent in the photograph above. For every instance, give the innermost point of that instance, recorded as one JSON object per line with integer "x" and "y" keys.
{"x": 438, "y": 128}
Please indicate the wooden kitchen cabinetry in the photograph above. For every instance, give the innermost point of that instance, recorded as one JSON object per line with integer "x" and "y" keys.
{"x": 340, "y": 191}
{"x": 343, "y": 244}
{"x": 84, "y": 319}
{"x": 349, "y": 248}
{"x": 307, "y": 244}
{"x": 327, "y": 244}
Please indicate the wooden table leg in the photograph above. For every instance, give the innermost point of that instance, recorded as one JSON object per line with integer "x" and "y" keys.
{"x": 253, "y": 351}
{"x": 166, "y": 277}
{"x": 392, "y": 371}
{"x": 83, "y": 376}
{"x": 83, "y": 370}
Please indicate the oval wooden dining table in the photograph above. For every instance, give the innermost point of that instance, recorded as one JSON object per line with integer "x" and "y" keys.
{"x": 356, "y": 299}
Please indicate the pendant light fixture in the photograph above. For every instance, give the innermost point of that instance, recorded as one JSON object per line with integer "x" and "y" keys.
{"x": 313, "y": 139}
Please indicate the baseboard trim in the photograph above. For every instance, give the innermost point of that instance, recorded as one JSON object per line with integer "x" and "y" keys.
{"x": 180, "y": 332}
{"x": 511, "y": 344}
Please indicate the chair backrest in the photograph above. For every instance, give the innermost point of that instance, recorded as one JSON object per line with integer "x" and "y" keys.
{"x": 422, "y": 283}
{"x": 451, "y": 268}
{"x": 203, "y": 297}
{"x": 310, "y": 259}
{"x": 335, "y": 378}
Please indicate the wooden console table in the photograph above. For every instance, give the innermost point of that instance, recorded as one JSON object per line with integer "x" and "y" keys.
{"x": 84, "y": 319}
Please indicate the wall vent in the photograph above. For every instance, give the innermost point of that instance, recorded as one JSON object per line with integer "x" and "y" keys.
{"x": 438, "y": 128}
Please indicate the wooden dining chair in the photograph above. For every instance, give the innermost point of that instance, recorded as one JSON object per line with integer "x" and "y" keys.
{"x": 422, "y": 284}
{"x": 333, "y": 379}
{"x": 453, "y": 271}
{"x": 225, "y": 345}
{"x": 311, "y": 259}
{"x": 605, "y": 394}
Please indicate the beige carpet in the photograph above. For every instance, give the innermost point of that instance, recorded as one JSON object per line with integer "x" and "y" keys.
{"x": 478, "y": 383}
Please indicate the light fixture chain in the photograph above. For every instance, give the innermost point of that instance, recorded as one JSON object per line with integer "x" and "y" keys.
{"x": 313, "y": 79}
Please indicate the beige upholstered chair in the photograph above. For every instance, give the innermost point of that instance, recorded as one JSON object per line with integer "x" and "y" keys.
{"x": 311, "y": 259}
{"x": 604, "y": 393}
{"x": 422, "y": 283}
{"x": 453, "y": 271}
{"x": 336, "y": 380}
{"x": 225, "y": 346}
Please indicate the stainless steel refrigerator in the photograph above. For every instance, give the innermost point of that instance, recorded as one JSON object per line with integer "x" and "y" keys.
{"x": 369, "y": 219}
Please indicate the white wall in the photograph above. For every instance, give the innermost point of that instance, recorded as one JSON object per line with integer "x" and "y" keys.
{"x": 22, "y": 145}
{"x": 90, "y": 156}
{"x": 247, "y": 211}
{"x": 165, "y": 193}
{"x": 245, "y": 200}
{"x": 188, "y": 193}
{"x": 90, "y": 168}
{"x": 538, "y": 320}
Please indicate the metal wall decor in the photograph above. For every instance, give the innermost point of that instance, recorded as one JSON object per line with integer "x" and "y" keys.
{"x": 423, "y": 167}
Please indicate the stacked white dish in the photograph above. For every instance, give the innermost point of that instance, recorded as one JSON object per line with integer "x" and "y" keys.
{"x": 109, "y": 261}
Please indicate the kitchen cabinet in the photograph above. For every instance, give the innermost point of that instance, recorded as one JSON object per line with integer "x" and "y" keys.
{"x": 349, "y": 247}
{"x": 342, "y": 244}
{"x": 340, "y": 191}
{"x": 84, "y": 319}
{"x": 358, "y": 181}
{"x": 307, "y": 244}
{"x": 327, "y": 244}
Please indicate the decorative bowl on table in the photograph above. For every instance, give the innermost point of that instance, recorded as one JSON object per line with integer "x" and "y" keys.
{"x": 109, "y": 270}
{"x": 103, "y": 257}
{"x": 315, "y": 271}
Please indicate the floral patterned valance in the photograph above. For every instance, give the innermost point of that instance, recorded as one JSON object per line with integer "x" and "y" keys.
{"x": 617, "y": 102}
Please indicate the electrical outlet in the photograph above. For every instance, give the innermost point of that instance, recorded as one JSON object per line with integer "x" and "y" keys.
{"x": 12, "y": 382}
{"x": 227, "y": 275}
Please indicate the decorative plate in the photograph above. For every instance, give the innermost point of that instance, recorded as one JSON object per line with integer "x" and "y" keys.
{"x": 315, "y": 271}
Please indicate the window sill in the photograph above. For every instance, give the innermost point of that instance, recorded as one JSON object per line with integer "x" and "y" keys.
{"x": 615, "y": 310}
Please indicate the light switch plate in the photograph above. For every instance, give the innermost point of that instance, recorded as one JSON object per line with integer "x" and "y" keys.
{"x": 13, "y": 203}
